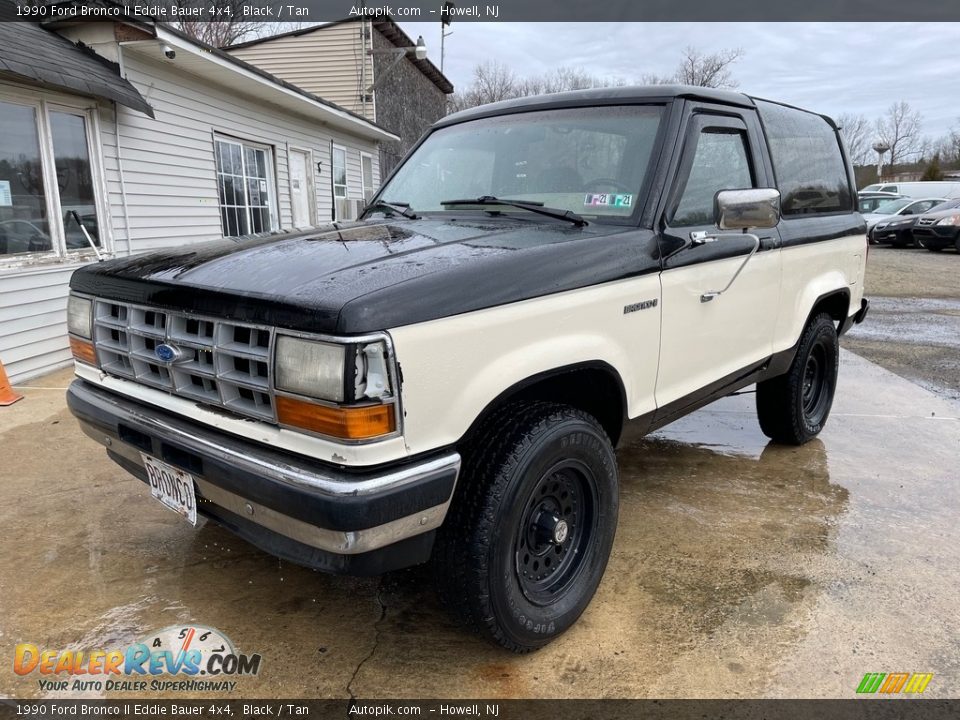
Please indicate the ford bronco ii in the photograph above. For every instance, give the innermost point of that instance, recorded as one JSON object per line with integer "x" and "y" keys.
{"x": 446, "y": 379}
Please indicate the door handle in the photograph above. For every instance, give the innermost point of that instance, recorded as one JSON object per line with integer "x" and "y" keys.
{"x": 769, "y": 243}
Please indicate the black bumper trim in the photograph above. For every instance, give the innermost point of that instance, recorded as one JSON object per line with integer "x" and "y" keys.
{"x": 342, "y": 512}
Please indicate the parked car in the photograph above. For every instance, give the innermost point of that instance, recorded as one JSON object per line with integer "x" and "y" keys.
{"x": 943, "y": 188}
{"x": 869, "y": 201}
{"x": 449, "y": 376}
{"x": 903, "y": 207}
{"x": 898, "y": 230}
{"x": 939, "y": 229}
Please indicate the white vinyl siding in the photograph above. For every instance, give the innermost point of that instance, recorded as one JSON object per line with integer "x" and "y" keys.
{"x": 33, "y": 320}
{"x": 169, "y": 164}
{"x": 169, "y": 186}
{"x": 330, "y": 62}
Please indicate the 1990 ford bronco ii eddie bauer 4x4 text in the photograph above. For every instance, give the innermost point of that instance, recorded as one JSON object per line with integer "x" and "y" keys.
{"x": 447, "y": 378}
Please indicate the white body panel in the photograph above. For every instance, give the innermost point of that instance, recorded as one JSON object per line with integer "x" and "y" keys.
{"x": 454, "y": 367}
{"x": 702, "y": 342}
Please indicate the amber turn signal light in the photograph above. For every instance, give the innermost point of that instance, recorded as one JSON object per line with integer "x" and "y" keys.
{"x": 83, "y": 351}
{"x": 349, "y": 423}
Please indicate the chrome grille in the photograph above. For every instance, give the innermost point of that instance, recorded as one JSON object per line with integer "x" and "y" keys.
{"x": 926, "y": 221}
{"x": 222, "y": 363}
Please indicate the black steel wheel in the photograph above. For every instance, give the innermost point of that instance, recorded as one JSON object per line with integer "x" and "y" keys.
{"x": 794, "y": 407}
{"x": 529, "y": 532}
{"x": 555, "y": 531}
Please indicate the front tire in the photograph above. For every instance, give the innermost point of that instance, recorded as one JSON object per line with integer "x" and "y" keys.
{"x": 793, "y": 408}
{"x": 529, "y": 532}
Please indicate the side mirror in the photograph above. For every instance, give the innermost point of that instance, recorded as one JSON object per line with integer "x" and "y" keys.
{"x": 746, "y": 209}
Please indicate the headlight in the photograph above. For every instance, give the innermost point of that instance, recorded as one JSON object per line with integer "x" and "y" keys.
{"x": 79, "y": 311}
{"x": 952, "y": 220}
{"x": 307, "y": 367}
{"x": 350, "y": 382}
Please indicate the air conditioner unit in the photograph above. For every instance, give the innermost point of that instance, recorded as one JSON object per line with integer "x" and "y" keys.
{"x": 349, "y": 208}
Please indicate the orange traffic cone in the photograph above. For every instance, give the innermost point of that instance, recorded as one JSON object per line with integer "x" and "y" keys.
{"x": 7, "y": 395}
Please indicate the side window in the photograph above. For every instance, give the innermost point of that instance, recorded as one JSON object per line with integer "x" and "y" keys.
{"x": 807, "y": 161}
{"x": 720, "y": 162}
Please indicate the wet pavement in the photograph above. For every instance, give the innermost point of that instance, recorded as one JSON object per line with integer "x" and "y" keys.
{"x": 740, "y": 568}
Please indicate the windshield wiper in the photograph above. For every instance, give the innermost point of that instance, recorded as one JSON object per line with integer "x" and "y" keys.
{"x": 531, "y": 205}
{"x": 395, "y": 205}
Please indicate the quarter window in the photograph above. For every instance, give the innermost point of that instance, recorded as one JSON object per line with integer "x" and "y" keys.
{"x": 245, "y": 187}
{"x": 721, "y": 162}
{"x": 809, "y": 167}
{"x": 339, "y": 172}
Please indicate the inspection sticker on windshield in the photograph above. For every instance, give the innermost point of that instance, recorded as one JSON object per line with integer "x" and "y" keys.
{"x": 608, "y": 200}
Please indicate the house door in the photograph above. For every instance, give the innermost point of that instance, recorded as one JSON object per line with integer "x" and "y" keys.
{"x": 302, "y": 196}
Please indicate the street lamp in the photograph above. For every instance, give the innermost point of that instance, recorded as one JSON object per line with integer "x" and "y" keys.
{"x": 419, "y": 52}
{"x": 880, "y": 147}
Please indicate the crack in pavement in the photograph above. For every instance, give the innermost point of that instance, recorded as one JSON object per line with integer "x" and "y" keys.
{"x": 376, "y": 641}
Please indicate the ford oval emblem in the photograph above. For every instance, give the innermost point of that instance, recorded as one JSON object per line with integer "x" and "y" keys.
{"x": 167, "y": 353}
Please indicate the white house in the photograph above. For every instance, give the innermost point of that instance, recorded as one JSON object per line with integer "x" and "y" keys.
{"x": 140, "y": 138}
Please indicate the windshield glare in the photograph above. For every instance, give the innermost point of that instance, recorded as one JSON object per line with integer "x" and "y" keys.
{"x": 891, "y": 207}
{"x": 591, "y": 161}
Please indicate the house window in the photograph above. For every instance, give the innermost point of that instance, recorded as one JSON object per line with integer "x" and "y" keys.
{"x": 48, "y": 198}
{"x": 339, "y": 172}
{"x": 245, "y": 186}
{"x": 366, "y": 175}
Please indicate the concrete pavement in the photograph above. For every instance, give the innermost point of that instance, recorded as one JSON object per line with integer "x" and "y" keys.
{"x": 740, "y": 569}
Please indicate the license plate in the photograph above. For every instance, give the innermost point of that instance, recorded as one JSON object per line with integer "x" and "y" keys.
{"x": 173, "y": 487}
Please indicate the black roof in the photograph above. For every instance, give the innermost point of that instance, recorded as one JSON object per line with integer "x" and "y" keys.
{"x": 609, "y": 95}
{"x": 35, "y": 56}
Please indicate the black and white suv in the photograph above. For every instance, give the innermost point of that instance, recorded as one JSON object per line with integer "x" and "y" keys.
{"x": 448, "y": 377}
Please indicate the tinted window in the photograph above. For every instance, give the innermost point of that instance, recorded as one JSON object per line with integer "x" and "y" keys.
{"x": 720, "y": 163}
{"x": 809, "y": 166}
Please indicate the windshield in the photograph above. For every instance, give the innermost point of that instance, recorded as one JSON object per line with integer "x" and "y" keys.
{"x": 591, "y": 161}
{"x": 891, "y": 207}
{"x": 948, "y": 205}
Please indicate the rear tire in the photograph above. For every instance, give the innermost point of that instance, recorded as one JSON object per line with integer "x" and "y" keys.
{"x": 529, "y": 532}
{"x": 793, "y": 408}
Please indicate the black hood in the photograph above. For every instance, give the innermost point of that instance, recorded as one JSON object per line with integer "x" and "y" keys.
{"x": 374, "y": 275}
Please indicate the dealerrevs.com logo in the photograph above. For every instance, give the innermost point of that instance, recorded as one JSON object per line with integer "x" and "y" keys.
{"x": 178, "y": 658}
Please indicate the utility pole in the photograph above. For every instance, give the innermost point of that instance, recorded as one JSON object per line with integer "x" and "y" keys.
{"x": 444, "y": 22}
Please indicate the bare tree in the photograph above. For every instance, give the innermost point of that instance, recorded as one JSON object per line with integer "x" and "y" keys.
{"x": 234, "y": 28}
{"x": 900, "y": 130}
{"x": 710, "y": 70}
{"x": 493, "y": 82}
{"x": 857, "y": 133}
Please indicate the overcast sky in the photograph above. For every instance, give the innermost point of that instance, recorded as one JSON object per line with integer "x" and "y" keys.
{"x": 832, "y": 68}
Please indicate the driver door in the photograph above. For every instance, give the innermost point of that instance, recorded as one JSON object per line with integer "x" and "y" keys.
{"x": 707, "y": 344}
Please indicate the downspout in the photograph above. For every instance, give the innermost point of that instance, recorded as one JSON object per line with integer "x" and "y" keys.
{"x": 116, "y": 134}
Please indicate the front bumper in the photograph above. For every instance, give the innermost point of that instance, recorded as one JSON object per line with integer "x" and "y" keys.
{"x": 936, "y": 236}
{"x": 348, "y": 521}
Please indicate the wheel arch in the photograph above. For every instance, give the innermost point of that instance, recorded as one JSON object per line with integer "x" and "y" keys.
{"x": 595, "y": 387}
